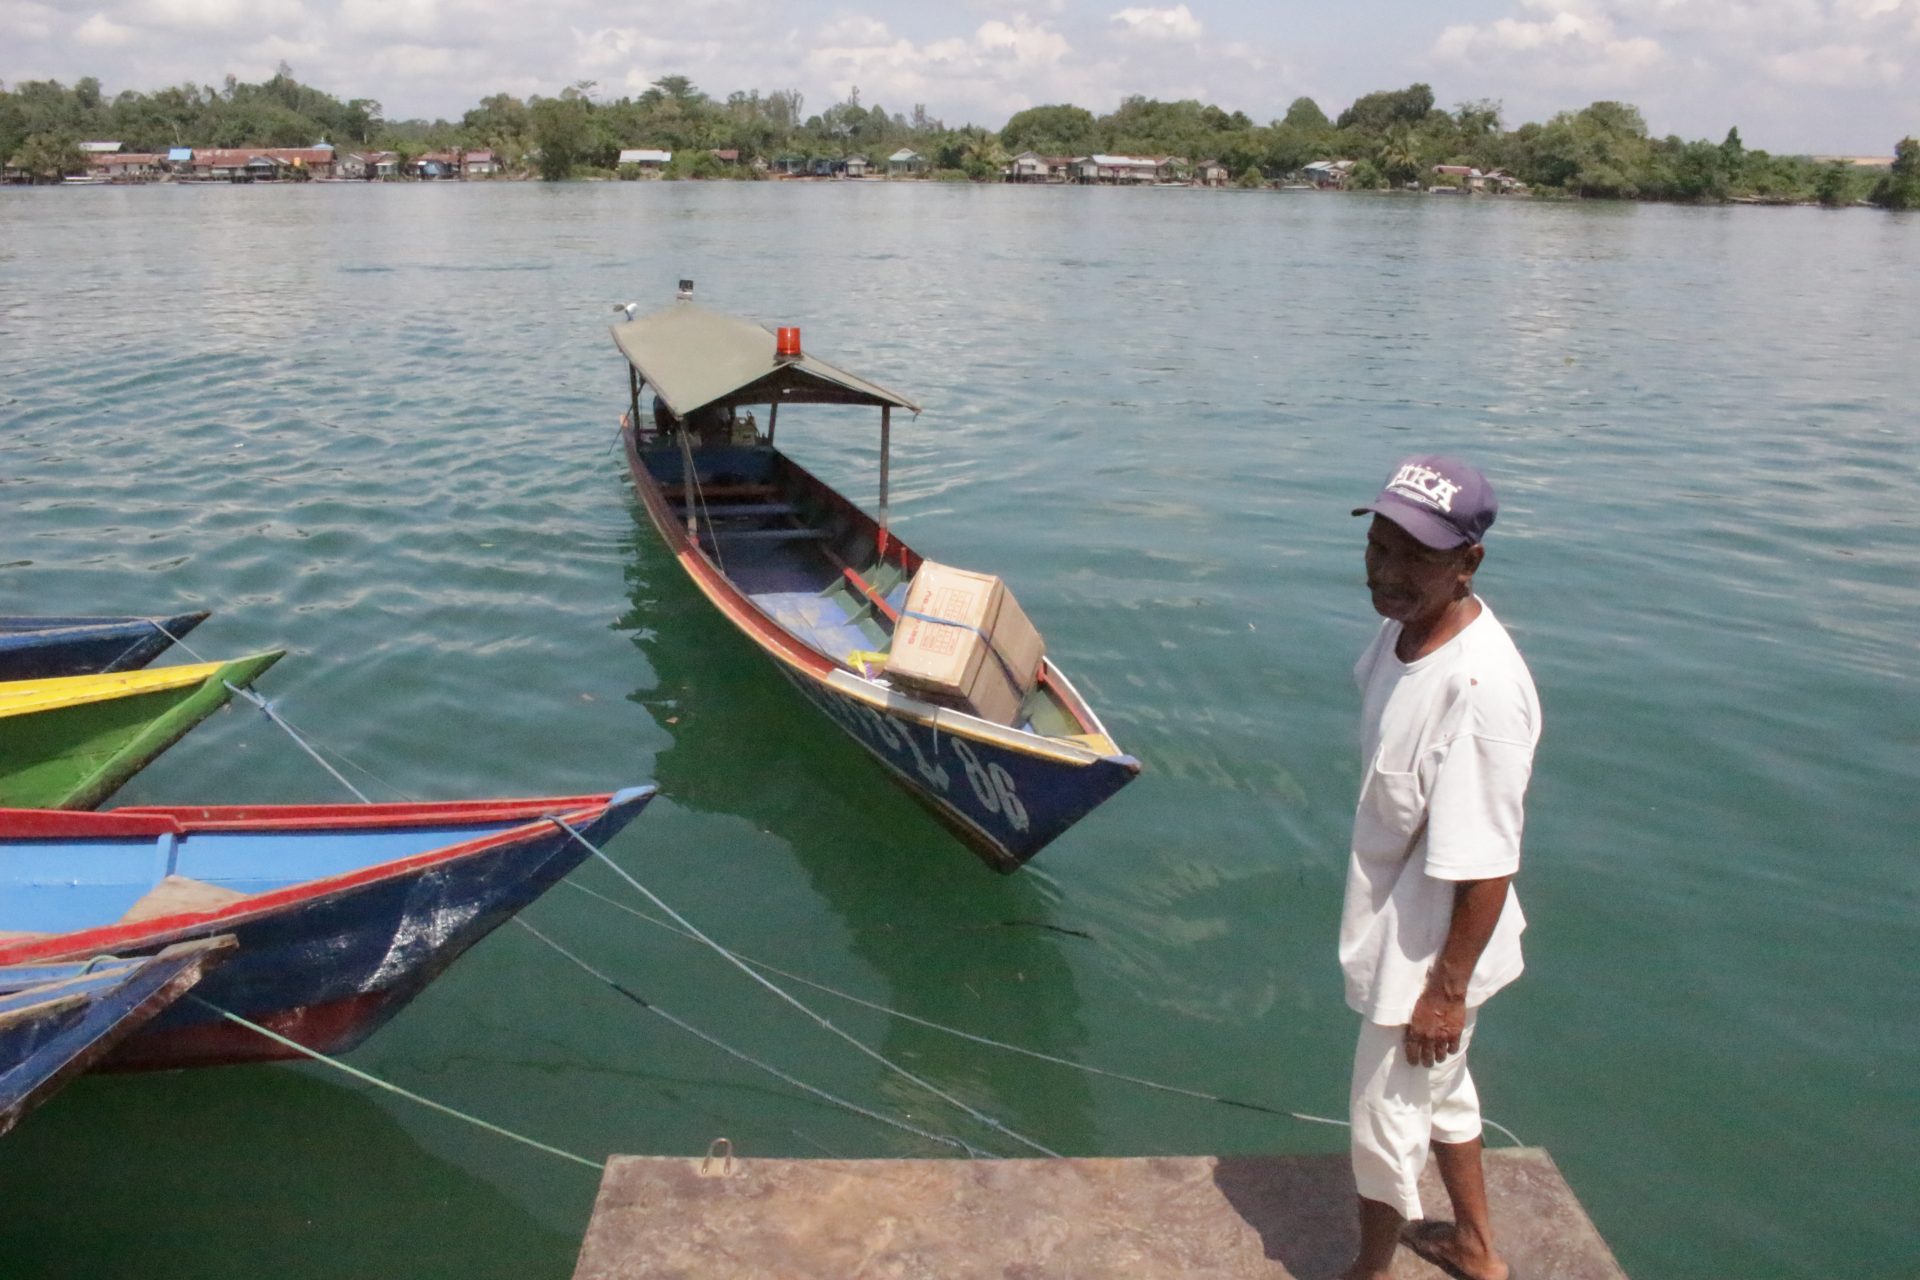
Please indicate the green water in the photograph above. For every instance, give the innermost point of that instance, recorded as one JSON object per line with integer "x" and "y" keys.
{"x": 374, "y": 425}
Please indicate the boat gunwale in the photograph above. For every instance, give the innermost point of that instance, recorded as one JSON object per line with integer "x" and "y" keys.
{"x": 110, "y": 685}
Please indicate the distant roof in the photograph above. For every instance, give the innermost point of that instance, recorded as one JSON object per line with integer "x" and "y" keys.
{"x": 726, "y": 153}
{"x": 479, "y": 157}
{"x": 180, "y": 153}
{"x": 902, "y": 155}
{"x": 99, "y": 146}
{"x": 1110, "y": 161}
{"x": 645, "y": 155}
{"x": 693, "y": 357}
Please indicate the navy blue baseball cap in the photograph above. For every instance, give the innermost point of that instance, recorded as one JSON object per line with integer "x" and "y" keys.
{"x": 1442, "y": 502}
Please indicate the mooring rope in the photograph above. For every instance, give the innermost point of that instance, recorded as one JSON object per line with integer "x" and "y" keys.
{"x": 267, "y": 708}
{"x": 725, "y": 1048}
{"x": 1039, "y": 1055}
{"x": 273, "y": 714}
{"x": 390, "y": 1087}
{"x": 976, "y": 1114}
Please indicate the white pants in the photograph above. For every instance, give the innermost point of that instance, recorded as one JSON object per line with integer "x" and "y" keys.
{"x": 1397, "y": 1109}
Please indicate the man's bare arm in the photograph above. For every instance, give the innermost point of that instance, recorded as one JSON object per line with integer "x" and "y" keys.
{"x": 1441, "y": 1012}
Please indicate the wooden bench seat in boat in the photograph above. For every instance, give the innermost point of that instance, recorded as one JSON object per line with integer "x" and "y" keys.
{"x": 733, "y": 510}
{"x": 794, "y": 534}
{"x": 720, "y": 492}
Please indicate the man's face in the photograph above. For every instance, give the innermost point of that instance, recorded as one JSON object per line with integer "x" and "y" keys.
{"x": 1410, "y": 581}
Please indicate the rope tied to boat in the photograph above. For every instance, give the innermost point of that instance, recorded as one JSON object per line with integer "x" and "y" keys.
{"x": 628, "y": 993}
{"x": 991, "y": 1043}
{"x": 820, "y": 1019}
{"x": 286, "y": 1042}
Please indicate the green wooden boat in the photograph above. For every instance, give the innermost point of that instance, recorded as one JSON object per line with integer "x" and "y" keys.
{"x": 71, "y": 742}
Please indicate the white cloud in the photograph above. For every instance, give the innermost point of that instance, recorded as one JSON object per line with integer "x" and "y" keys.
{"x": 1030, "y": 45}
{"x": 231, "y": 16}
{"x": 1177, "y": 23}
{"x": 102, "y": 32}
{"x": 1840, "y": 66}
{"x": 1576, "y": 45}
{"x": 27, "y": 21}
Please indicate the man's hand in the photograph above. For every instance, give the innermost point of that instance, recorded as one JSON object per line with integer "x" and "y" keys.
{"x": 1433, "y": 1033}
{"x": 1440, "y": 1015}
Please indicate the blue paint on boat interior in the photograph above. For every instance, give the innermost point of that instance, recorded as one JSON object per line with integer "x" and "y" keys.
{"x": 56, "y": 886}
{"x": 764, "y": 543}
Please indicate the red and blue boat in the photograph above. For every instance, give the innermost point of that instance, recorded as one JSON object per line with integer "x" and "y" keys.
{"x": 818, "y": 585}
{"x": 340, "y": 913}
{"x": 57, "y": 1020}
{"x": 39, "y": 648}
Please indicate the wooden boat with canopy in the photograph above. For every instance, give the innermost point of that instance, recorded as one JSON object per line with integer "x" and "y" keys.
{"x": 821, "y": 587}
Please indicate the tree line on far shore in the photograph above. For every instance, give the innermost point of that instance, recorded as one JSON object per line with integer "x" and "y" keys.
{"x": 1395, "y": 137}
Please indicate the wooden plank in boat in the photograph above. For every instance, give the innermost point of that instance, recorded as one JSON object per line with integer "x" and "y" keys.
{"x": 711, "y": 492}
{"x": 795, "y": 534}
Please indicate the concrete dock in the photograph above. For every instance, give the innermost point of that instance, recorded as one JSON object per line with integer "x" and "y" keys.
{"x": 1153, "y": 1218}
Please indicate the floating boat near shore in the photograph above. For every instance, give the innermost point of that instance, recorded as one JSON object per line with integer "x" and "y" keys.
{"x": 57, "y": 1020}
{"x": 341, "y": 913}
{"x": 819, "y": 586}
{"x": 70, "y": 742}
{"x": 33, "y": 648}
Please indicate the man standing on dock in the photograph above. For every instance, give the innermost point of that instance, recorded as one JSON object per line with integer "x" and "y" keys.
{"x": 1430, "y": 926}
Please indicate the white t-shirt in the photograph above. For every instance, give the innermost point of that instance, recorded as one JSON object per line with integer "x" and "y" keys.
{"x": 1447, "y": 747}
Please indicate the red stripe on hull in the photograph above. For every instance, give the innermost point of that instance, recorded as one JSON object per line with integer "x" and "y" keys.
{"x": 334, "y": 1027}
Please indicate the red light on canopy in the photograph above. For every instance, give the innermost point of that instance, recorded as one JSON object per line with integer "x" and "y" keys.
{"x": 787, "y": 343}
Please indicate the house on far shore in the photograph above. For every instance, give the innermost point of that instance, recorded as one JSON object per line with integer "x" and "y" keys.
{"x": 790, "y": 165}
{"x": 1211, "y": 173}
{"x": 906, "y": 163}
{"x": 647, "y": 159}
{"x": 1125, "y": 170}
{"x": 726, "y": 155}
{"x": 434, "y": 164}
{"x": 479, "y": 164}
{"x": 1031, "y": 166}
{"x": 856, "y": 166}
{"x": 1464, "y": 176}
{"x": 125, "y": 166}
{"x": 1328, "y": 174}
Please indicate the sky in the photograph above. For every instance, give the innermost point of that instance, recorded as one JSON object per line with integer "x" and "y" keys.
{"x": 1795, "y": 76}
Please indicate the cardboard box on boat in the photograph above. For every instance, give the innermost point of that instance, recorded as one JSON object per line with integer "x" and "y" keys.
{"x": 983, "y": 656}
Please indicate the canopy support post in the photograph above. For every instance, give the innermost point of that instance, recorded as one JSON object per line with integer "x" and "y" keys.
{"x": 886, "y": 445}
{"x": 633, "y": 393}
{"x": 773, "y": 419}
{"x": 689, "y": 484}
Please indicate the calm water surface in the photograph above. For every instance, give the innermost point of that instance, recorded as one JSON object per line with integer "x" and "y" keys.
{"x": 374, "y": 425}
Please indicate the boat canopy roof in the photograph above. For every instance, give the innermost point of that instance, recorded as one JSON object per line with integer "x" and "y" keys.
{"x": 693, "y": 357}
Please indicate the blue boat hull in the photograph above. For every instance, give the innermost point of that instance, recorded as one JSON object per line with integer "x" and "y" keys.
{"x": 1006, "y": 805}
{"x": 33, "y": 648}
{"x": 57, "y": 1020}
{"x": 331, "y": 973}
